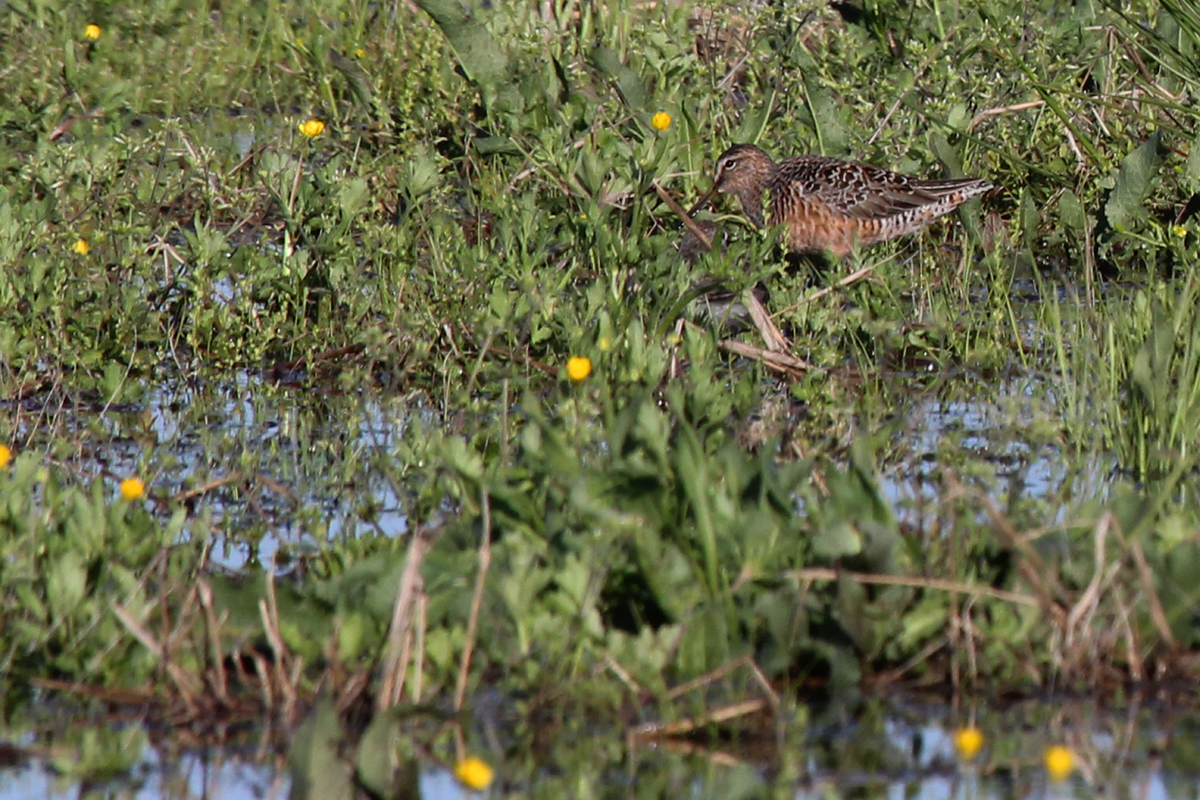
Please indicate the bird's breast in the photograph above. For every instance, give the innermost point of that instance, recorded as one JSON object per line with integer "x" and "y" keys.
{"x": 811, "y": 226}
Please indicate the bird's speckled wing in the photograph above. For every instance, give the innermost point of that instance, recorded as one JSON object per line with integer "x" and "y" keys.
{"x": 861, "y": 191}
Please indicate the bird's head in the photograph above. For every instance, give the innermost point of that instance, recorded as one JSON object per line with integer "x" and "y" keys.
{"x": 742, "y": 170}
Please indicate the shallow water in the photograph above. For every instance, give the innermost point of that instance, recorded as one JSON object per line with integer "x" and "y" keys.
{"x": 212, "y": 775}
{"x": 295, "y": 467}
{"x": 901, "y": 751}
{"x": 1001, "y": 439}
{"x": 277, "y": 466}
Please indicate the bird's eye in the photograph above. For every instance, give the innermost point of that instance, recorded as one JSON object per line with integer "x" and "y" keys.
{"x": 730, "y": 163}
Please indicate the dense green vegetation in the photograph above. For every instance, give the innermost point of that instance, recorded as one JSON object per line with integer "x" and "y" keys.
{"x": 485, "y": 200}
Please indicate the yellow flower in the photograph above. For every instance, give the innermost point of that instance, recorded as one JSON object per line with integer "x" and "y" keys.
{"x": 92, "y": 32}
{"x": 81, "y": 247}
{"x": 968, "y": 742}
{"x": 473, "y": 772}
{"x": 312, "y": 128}
{"x": 133, "y": 488}
{"x": 660, "y": 121}
{"x": 360, "y": 53}
{"x": 5, "y": 456}
{"x": 1179, "y": 231}
{"x": 1059, "y": 762}
{"x": 579, "y": 367}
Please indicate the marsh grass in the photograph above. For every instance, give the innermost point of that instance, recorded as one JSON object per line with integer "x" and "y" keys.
{"x": 456, "y": 238}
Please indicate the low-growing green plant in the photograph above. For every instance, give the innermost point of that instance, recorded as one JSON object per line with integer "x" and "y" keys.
{"x": 70, "y": 553}
{"x": 1131, "y": 378}
{"x": 452, "y": 209}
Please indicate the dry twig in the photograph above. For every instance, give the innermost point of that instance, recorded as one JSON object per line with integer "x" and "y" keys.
{"x": 786, "y": 363}
{"x": 485, "y": 561}
{"x": 399, "y": 631}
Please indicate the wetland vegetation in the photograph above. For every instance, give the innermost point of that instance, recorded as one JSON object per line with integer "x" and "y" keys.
{"x": 383, "y": 308}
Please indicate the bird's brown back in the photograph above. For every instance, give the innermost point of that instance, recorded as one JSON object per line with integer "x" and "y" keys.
{"x": 829, "y": 204}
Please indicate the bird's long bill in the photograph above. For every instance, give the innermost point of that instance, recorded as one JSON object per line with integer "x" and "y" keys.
{"x": 704, "y": 200}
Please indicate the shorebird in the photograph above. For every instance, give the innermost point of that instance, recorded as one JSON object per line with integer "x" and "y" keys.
{"x": 825, "y": 204}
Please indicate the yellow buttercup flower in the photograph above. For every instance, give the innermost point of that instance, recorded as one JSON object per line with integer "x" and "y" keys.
{"x": 474, "y": 772}
{"x": 133, "y": 488}
{"x": 968, "y": 742}
{"x": 660, "y": 121}
{"x": 92, "y": 32}
{"x": 312, "y": 128}
{"x": 1179, "y": 231}
{"x": 360, "y": 53}
{"x": 5, "y": 456}
{"x": 81, "y": 247}
{"x": 579, "y": 368}
{"x": 1059, "y": 762}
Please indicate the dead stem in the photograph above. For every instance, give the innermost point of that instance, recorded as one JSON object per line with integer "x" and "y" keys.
{"x": 772, "y": 336}
{"x": 212, "y": 627}
{"x": 992, "y": 112}
{"x": 830, "y": 575}
{"x": 1157, "y": 614}
{"x": 268, "y": 609}
{"x": 395, "y": 663}
{"x": 485, "y": 561}
{"x": 690, "y": 725}
{"x": 853, "y": 277}
{"x": 189, "y": 688}
{"x": 780, "y": 362}
{"x": 687, "y": 221}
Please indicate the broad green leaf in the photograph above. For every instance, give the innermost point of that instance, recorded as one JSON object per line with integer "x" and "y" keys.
{"x": 1070, "y": 212}
{"x": 317, "y": 768}
{"x": 1124, "y": 205}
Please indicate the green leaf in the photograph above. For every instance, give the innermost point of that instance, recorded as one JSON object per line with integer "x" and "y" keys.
{"x": 837, "y": 540}
{"x": 851, "y": 613}
{"x": 1070, "y": 212}
{"x": 496, "y": 146}
{"x": 377, "y": 763}
{"x": 70, "y": 72}
{"x": 358, "y": 80}
{"x": 924, "y": 620}
{"x": 629, "y": 84}
{"x": 318, "y": 772}
{"x": 67, "y": 583}
{"x": 422, "y": 173}
{"x": 481, "y": 57}
{"x": 833, "y": 138}
{"x": 946, "y": 154}
{"x": 754, "y": 121}
{"x": 1192, "y": 166}
{"x": 353, "y": 196}
{"x": 1124, "y": 205}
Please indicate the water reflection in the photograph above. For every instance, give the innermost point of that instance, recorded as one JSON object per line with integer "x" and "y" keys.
{"x": 275, "y": 466}
{"x": 288, "y": 467}
{"x": 905, "y": 754}
{"x": 211, "y": 776}
{"x": 1002, "y": 438}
